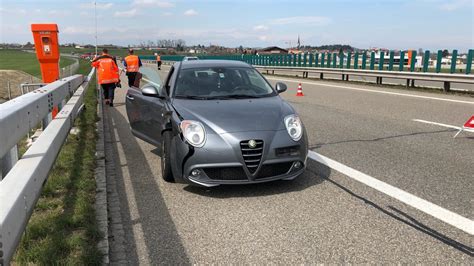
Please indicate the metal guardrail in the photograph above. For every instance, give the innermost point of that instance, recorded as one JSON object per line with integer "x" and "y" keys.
{"x": 22, "y": 185}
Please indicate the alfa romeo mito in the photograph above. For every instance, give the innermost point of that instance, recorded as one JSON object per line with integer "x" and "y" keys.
{"x": 218, "y": 122}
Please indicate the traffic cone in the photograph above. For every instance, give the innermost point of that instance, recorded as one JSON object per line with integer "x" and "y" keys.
{"x": 299, "y": 92}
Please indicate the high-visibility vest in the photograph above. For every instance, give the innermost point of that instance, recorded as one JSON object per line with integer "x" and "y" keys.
{"x": 158, "y": 58}
{"x": 132, "y": 63}
{"x": 107, "y": 69}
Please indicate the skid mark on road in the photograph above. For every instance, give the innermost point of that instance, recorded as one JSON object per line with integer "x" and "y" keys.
{"x": 374, "y": 91}
{"x": 434, "y": 210}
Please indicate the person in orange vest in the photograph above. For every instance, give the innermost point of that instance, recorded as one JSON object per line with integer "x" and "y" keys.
{"x": 107, "y": 74}
{"x": 132, "y": 64}
{"x": 158, "y": 60}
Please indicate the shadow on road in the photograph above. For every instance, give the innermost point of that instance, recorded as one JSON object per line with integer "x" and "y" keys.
{"x": 315, "y": 174}
{"x": 159, "y": 231}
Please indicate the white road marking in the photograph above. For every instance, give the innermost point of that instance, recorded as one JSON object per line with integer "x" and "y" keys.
{"x": 374, "y": 91}
{"x": 436, "y": 211}
{"x": 443, "y": 125}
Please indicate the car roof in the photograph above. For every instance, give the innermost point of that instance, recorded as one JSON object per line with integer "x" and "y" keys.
{"x": 212, "y": 63}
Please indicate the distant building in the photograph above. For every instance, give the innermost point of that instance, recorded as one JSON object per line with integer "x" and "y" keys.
{"x": 273, "y": 50}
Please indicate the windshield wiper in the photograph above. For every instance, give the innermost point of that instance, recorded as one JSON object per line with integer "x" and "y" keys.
{"x": 194, "y": 97}
{"x": 237, "y": 96}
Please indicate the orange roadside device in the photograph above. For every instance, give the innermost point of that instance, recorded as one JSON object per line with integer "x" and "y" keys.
{"x": 47, "y": 50}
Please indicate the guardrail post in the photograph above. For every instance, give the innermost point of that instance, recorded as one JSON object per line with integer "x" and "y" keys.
{"x": 413, "y": 61}
{"x": 372, "y": 60}
{"x": 381, "y": 60}
{"x": 454, "y": 57}
{"x": 299, "y": 60}
{"x": 356, "y": 60}
{"x": 349, "y": 57}
{"x": 305, "y": 60}
{"x": 294, "y": 60}
{"x": 8, "y": 161}
{"x": 364, "y": 60}
{"x": 439, "y": 56}
{"x": 402, "y": 61}
{"x": 310, "y": 63}
{"x": 329, "y": 60}
{"x": 334, "y": 60}
{"x": 316, "y": 60}
{"x": 322, "y": 59}
{"x": 426, "y": 60}
{"x": 390, "y": 60}
{"x": 447, "y": 86}
{"x": 9, "y": 90}
{"x": 470, "y": 55}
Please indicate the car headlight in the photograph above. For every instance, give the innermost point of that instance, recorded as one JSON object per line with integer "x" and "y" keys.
{"x": 294, "y": 127}
{"x": 193, "y": 132}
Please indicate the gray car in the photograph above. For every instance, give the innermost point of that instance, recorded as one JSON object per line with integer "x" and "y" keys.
{"x": 218, "y": 122}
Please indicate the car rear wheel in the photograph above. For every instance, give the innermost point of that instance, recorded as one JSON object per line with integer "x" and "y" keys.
{"x": 166, "y": 172}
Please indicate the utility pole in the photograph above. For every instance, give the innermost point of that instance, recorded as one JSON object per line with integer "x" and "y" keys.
{"x": 95, "y": 15}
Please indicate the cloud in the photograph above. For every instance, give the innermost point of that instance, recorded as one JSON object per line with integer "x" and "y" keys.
{"x": 57, "y": 13}
{"x": 153, "y": 3}
{"x": 260, "y": 28}
{"x": 103, "y": 6}
{"x": 455, "y": 5}
{"x": 190, "y": 12}
{"x": 126, "y": 14}
{"x": 263, "y": 38}
{"x": 308, "y": 20}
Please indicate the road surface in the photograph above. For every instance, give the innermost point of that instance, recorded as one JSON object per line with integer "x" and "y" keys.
{"x": 323, "y": 216}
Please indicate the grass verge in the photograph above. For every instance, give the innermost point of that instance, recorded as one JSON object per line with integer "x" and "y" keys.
{"x": 63, "y": 228}
{"x": 19, "y": 60}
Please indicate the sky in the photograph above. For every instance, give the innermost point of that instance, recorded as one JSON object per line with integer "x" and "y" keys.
{"x": 392, "y": 24}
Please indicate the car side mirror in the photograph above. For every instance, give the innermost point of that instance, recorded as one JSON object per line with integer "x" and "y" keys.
{"x": 150, "y": 90}
{"x": 280, "y": 87}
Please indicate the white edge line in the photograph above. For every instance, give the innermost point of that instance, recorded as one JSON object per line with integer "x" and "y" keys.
{"x": 436, "y": 211}
{"x": 443, "y": 125}
{"x": 374, "y": 91}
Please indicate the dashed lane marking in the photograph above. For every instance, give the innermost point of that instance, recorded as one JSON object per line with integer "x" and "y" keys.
{"x": 443, "y": 125}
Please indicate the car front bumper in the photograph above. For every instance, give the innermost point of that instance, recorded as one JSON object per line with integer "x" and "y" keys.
{"x": 221, "y": 160}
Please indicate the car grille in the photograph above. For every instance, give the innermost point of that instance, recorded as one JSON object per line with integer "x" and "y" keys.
{"x": 275, "y": 169}
{"x": 226, "y": 173}
{"x": 252, "y": 156}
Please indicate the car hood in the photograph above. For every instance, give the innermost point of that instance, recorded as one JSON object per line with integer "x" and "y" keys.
{"x": 226, "y": 116}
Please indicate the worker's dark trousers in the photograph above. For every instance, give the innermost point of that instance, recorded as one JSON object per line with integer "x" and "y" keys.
{"x": 131, "y": 78}
{"x": 159, "y": 65}
{"x": 108, "y": 91}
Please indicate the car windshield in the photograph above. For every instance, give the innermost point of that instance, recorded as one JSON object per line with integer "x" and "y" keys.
{"x": 221, "y": 83}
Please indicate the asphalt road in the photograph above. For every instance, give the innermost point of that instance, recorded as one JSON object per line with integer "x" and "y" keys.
{"x": 323, "y": 216}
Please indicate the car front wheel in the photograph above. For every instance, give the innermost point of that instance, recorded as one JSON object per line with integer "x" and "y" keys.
{"x": 166, "y": 172}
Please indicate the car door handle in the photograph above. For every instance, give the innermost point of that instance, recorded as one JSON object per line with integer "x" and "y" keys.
{"x": 130, "y": 97}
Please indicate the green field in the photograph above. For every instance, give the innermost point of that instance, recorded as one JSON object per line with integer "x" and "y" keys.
{"x": 19, "y": 60}
{"x": 62, "y": 229}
